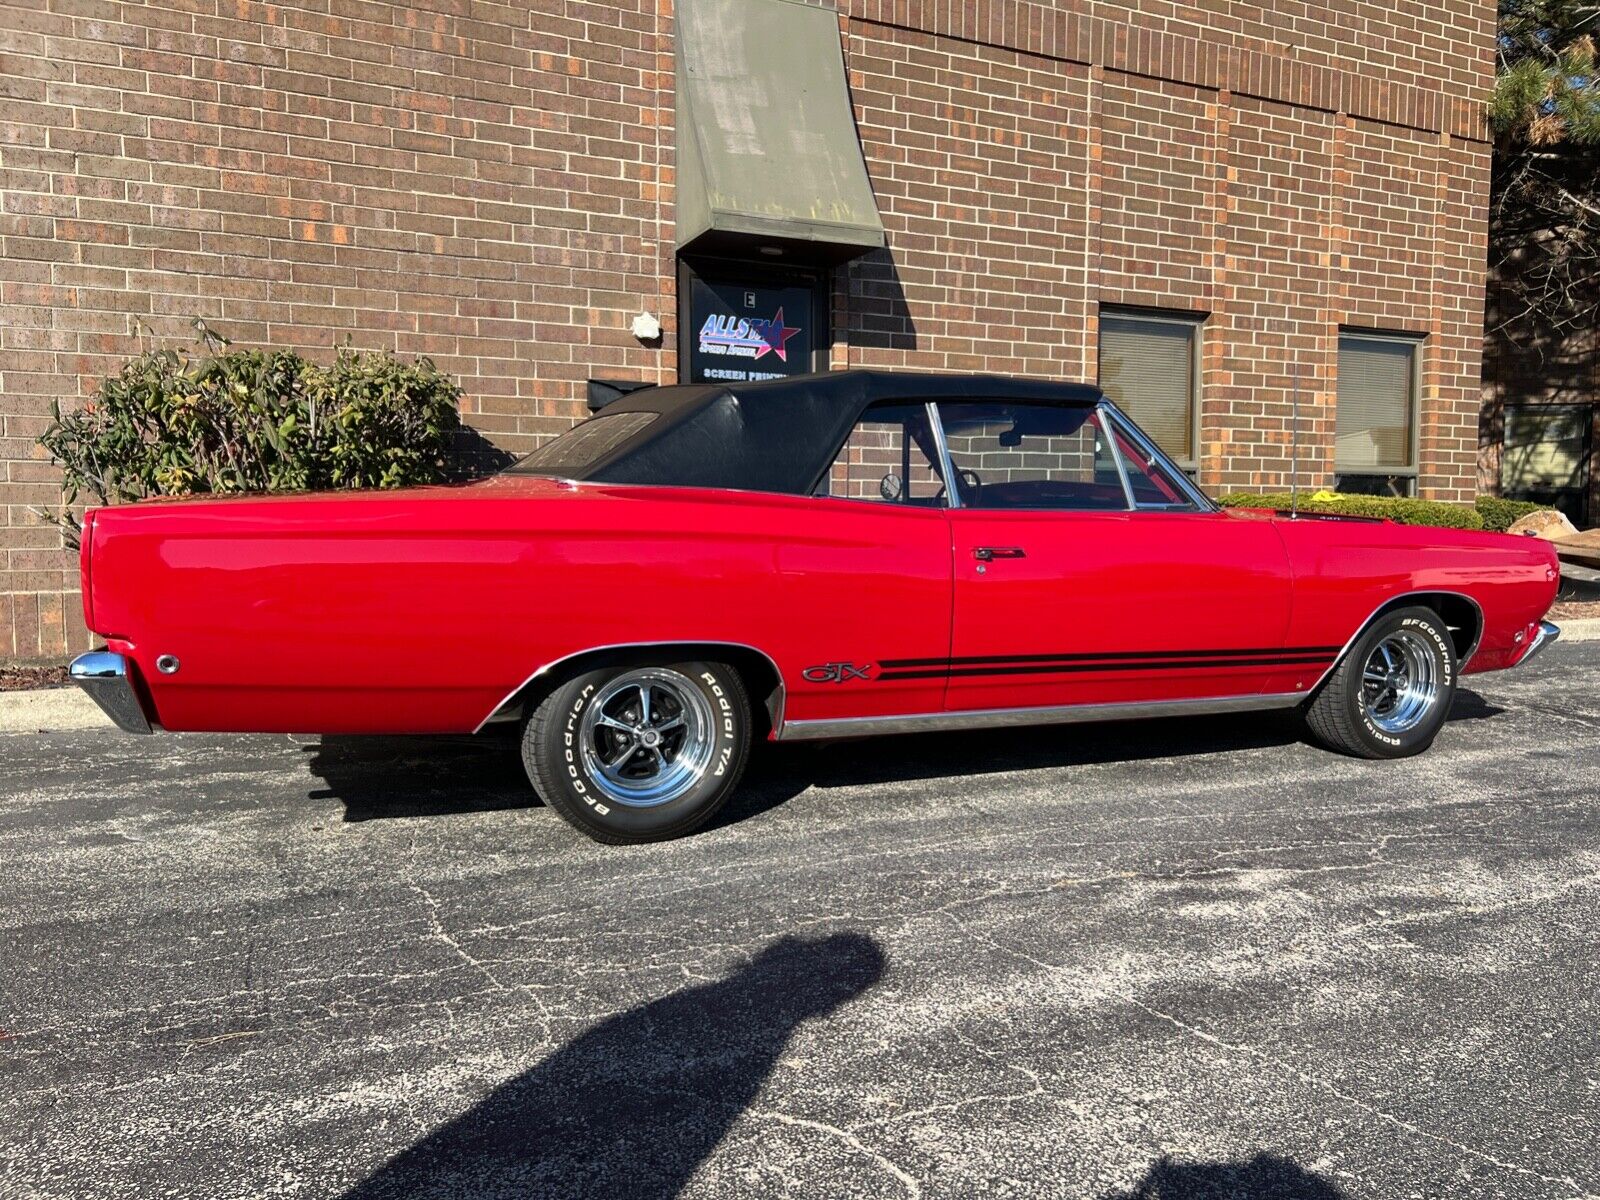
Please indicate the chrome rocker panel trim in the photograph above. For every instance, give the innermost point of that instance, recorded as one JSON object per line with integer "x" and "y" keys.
{"x": 1548, "y": 632}
{"x": 999, "y": 718}
{"x": 108, "y": 680}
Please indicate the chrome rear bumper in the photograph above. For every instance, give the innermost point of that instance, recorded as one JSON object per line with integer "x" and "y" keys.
{"x": 1547, "y": 633}
{"x": 109, "y": 682}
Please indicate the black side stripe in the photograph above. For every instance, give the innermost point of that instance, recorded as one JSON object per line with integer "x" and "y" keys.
{"x": 1164, "y": 655}
{"x": 1074, "y": 668}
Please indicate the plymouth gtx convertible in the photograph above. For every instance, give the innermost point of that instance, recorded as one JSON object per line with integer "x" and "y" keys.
{"x": 817, "y": 557}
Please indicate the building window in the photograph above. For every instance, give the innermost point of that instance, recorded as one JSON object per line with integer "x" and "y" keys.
{"x": 1375, "y": 448}
{"x": 1545, "y": 456}
{"x": 1149, "y": 366}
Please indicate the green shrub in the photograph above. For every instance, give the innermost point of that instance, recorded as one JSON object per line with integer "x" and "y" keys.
{"x": 228, "y": 421}
{"x": 1403, "y": 510}
{"x": 1499, "y": 515}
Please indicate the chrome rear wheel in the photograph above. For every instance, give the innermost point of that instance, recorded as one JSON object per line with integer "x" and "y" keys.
{"x": 647, "y": 737}
{"x": 1400, "y": 682}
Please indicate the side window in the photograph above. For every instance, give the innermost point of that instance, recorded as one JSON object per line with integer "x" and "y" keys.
{"x": 1031, "y": 456}
{"x": 888, "y": 457}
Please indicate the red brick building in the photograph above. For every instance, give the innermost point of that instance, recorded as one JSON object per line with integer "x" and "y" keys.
{"x": 1225, "y": 211}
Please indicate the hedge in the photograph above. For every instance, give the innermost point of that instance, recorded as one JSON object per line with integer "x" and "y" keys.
{"x": 1499, "y": 515}
{"x": 1403, "y": 510}
{"x": 226, "y": 420}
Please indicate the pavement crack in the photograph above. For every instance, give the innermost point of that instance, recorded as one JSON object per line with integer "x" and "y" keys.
{"x": 907, "y": 1181}
{"x": 444, "y": 935}
{"x": 1328, "y": 1085}
{"x": 1037, "y": 1089}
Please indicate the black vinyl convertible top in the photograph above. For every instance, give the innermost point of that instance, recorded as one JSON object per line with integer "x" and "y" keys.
{"x": 774, "y": 436}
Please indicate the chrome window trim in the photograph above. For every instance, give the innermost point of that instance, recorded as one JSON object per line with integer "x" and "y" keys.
{"x": 1062, "y": 714}
{"x": 951, "y": 498}
{"x": 952, "y": 485}
{"x": 780, "y": 696}
{"x": 1121, "y": 420}
{"x": 1105, "y": 430}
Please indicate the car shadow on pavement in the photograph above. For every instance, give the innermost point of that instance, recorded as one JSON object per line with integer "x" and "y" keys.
{"x": 782, "y": 771}
{"x": 634, "y": 1105}
{"x": 1264, "y": 1177}
{"x": 378, "y": 777}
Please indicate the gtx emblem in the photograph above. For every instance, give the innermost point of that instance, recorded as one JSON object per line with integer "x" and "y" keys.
{"x": 836, "y": 673}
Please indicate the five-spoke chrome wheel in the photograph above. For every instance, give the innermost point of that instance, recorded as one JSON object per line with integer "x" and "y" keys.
{"x": 1400, "y": 682}
{"x": 647, "y": 737}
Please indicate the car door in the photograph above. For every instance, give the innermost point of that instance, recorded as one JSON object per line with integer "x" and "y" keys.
{"x": 1065, "y": 593}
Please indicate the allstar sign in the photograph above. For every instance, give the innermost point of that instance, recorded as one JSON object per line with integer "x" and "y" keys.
{"x": 776, "y": 337}
{"x": 746, "y": 337}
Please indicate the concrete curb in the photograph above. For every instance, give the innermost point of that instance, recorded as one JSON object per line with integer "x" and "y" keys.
{"x": 1586, "y": 630}
{"x": 48, "y": 709}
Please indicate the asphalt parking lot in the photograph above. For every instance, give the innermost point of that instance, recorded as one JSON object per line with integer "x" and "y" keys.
{"x": 1175, "y": 960}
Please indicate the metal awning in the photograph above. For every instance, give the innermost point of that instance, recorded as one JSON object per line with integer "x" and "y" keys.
{"x": 767, "y": 150}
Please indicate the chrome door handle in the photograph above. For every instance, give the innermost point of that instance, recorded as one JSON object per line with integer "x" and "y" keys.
{"x": 990, "y": 553}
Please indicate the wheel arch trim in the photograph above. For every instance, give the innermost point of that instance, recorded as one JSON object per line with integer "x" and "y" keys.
{"x": 773, "y": 702}
{"x": 1404, "y": 600}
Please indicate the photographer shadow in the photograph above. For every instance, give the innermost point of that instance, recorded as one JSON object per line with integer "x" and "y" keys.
{"x": 631, "y": 1108}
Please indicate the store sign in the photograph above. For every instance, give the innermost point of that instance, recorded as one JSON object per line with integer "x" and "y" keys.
{"x": 741, "y": 333}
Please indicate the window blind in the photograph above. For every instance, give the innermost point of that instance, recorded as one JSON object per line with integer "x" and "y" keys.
{"x": 1373, "y": 418}
{"x": 1147, "y": 368}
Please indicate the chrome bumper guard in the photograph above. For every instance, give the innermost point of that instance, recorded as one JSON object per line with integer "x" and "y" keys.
{"x": 108, "y": 680}
{"x": 1547, "y": 634}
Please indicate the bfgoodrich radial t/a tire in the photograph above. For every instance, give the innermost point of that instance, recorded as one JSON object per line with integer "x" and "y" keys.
{"x": 640, "y": 753}
{"x": 1390, "y": 694}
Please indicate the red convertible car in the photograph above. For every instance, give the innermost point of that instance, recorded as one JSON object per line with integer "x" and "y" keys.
{"x": 818, "y": 557}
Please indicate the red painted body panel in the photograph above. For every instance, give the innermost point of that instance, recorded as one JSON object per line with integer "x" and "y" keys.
{"x": 421, "y": 610}
{"x": 1113, "y": 582}
{"x": 1344, "y": 570}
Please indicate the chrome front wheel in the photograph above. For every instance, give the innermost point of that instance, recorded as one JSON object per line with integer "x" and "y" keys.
{"x": 1388, "y": 696}
{"x": 1400, "y": 682}
{"x": 647, "y": 737}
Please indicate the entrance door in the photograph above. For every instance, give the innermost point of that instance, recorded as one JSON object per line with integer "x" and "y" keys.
{"x": 742, "y": 322}
{"x": 1064, "y": 594}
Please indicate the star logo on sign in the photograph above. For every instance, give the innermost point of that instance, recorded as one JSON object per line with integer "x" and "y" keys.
{"x": 776, "y": 337}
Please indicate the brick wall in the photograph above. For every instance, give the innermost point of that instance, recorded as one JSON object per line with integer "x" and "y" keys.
{"x": 491, "y": 185}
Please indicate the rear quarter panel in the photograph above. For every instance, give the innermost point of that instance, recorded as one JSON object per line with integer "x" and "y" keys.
{"x": 1344, "y": 571}
{"x": 420, "y": 612}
